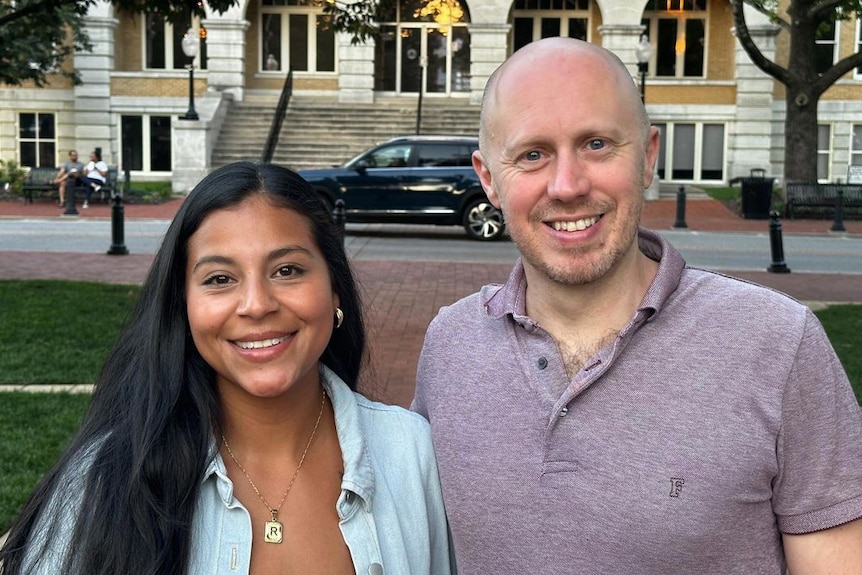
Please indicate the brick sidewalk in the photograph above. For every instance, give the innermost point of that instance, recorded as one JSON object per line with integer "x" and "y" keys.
{"x": 700, "y": 215}
{"x": 400, "y": 298}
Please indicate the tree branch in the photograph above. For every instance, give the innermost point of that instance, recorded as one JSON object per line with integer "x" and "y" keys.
{"x": 773, "y": 16}
{"x": 44, "y": 6}
{"x": 834, "y": 73}
{"x": 757, "y": 57}
{"x": 817, "y": 10}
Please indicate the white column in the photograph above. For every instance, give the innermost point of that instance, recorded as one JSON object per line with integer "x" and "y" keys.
{"x": 488, "y": 49}
{"x": 622, "y": 39}
{"x": 226, "y": 54}
{"x": 750, "y": 138}
{"x": 93, "y": 122}
{"x": 193, "y": 141}
{"x": 355, "y": 71}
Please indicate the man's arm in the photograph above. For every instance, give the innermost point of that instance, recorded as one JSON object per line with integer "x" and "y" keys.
{"x": 835, "y": 551}
{"x": 61, "y": 175}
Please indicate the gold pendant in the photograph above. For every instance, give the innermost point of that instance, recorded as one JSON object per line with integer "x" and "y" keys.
{"x": 274, "y": 532}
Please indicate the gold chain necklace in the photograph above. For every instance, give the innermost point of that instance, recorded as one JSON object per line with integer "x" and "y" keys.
{"x": 274, "y": 529}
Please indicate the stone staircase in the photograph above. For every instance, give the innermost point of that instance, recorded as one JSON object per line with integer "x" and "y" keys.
{"x": 319, "y": 132}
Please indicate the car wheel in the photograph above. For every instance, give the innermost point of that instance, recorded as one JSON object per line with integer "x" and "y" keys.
{"x": 483, "y": 221}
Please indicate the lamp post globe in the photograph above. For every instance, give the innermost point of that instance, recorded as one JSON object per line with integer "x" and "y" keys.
{"x": 643, "y": 53}
{"x": 190, "y": 49}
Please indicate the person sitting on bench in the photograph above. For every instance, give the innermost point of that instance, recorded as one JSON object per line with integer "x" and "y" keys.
{"x": 95, "y": 173}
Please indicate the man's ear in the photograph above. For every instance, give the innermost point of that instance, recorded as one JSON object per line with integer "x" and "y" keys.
{"x": 652, "y": 146}
{"x": 484, "y": 173}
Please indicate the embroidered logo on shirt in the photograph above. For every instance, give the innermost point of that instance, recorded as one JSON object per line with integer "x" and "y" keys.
{"x": 676, "y": 484}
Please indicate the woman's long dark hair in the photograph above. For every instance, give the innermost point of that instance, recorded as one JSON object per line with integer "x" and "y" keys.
{"x": 149, "y": 427}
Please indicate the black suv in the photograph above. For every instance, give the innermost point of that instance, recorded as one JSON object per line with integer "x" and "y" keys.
{"x": 413, "y": 180}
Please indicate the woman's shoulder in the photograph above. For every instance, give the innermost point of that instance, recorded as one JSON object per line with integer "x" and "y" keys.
{"x": 384, "y": 414}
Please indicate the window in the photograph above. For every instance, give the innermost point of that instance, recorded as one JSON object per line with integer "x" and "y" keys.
{"x": 389, "y": 157}
{"x": 146, "y": 143}
{"x": 856, "y": 146}
{"x": 443, "y": 155}
{"x": 163, "y": 46}
{"x": 536, "y": 19}
{"x": 826, "y": 46}
{"x": 824, "y": 151}
{"x": 37, "y": 140}
{"x": 677, "y": 29}
{"x": 858, "y": 72}
{"x": 691, "y": 152}
{"x": 298, "y": 34}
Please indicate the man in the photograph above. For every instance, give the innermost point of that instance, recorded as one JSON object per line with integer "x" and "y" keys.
{"x": 71, "y": 169}
{"x": 609, "y": 410}
{"x": 95, "y": 174}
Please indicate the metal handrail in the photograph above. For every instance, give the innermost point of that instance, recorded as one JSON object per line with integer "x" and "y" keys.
{"x": 278, "y": 119}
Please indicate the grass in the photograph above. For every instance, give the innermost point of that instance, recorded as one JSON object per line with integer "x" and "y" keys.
{"x": 57, "y": 331}
{"x": 843, "y": 324}
{"x": 60, "y": 332}
{"x": 34, "y": 429}
{"x": 148, "y": 192}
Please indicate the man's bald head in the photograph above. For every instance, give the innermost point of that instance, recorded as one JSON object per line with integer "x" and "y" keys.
{"x": 550, "y": 57}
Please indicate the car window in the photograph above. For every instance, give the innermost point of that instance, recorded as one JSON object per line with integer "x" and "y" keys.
{"x": 433, "y": 154}
{"x": 395, "y": 156}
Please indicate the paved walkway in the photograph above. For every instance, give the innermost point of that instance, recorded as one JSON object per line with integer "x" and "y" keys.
{"x": 400, "y": 297}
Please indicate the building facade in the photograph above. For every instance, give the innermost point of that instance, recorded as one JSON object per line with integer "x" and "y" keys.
{"x": 718, "y": 114}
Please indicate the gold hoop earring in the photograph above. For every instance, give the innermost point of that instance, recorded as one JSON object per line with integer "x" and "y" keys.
{"x": 339, "y": 317}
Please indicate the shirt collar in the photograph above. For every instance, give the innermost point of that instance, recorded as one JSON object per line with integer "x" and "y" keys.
{"x": 358, "y": 472}
{"x": 510, "y": 298}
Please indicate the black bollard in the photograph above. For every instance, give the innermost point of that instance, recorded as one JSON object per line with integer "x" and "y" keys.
{"x": 777, "y": 245}
{"x": 70, "y": 198}
{"x": 118, "y": 245}
{"x": 339, "y": 216}
{"x": 680, "y": 209}
{"x": 838, "y": 221}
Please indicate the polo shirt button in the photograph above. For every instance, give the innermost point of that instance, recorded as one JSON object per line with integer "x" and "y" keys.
{"x": 542, "y": 363}
{"x": 375, "y": 569}
{"x": 564, "y": 412}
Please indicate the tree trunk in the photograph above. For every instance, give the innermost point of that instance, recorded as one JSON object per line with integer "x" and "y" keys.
{"x": 800, "y": 142}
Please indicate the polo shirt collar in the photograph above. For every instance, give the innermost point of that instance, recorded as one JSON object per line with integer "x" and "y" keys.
{"x": 510, "y": 298}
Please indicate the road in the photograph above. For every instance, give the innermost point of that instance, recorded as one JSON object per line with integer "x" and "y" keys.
{"x": 719, "y": 251}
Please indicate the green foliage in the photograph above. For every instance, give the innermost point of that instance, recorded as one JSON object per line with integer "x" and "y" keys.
{"x": 34, "y": 429}
{"x": 59, "y": 332}
{"x": 843, "y": 324}
{"x": 14, "y": 175}
{"x": 722, "y": 194}
{"x": 175, "y": 11}
{"x": 39, "y": 37}
{"x": 161, "y": 190}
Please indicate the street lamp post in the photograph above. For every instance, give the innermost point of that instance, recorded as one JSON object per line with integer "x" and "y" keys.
{"x": 190, "y": 49}
{"x": 643, "y": 53}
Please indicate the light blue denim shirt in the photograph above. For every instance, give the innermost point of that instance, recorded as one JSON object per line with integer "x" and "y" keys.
{"x": 390, "y": 508}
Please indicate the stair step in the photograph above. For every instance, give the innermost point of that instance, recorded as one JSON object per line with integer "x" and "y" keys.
{"x": 320, "y": 132}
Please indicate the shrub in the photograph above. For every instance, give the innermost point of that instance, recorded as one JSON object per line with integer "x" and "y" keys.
{"x": 13, "y": 175}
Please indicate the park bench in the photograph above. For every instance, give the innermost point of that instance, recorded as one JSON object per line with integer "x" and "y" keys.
{"x": 42, "y": 180}
{"x": 814, "y": 195}
{"x": 39, "y": 180}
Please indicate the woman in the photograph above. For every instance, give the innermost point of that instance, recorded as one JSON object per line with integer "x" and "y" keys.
{"x": 224, "y": 434}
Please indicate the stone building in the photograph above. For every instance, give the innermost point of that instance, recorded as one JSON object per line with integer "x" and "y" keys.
{"x": 719, "y": 115}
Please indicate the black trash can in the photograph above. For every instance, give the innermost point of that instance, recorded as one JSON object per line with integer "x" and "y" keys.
{"x": 757, "y": 195}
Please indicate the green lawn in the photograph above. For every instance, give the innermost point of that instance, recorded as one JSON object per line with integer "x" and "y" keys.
{"x": 34, "y": 429}
{"x": 60, "y": 332}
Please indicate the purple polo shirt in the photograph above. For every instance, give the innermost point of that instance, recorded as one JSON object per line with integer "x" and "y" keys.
{"x": 719, "y": 418}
